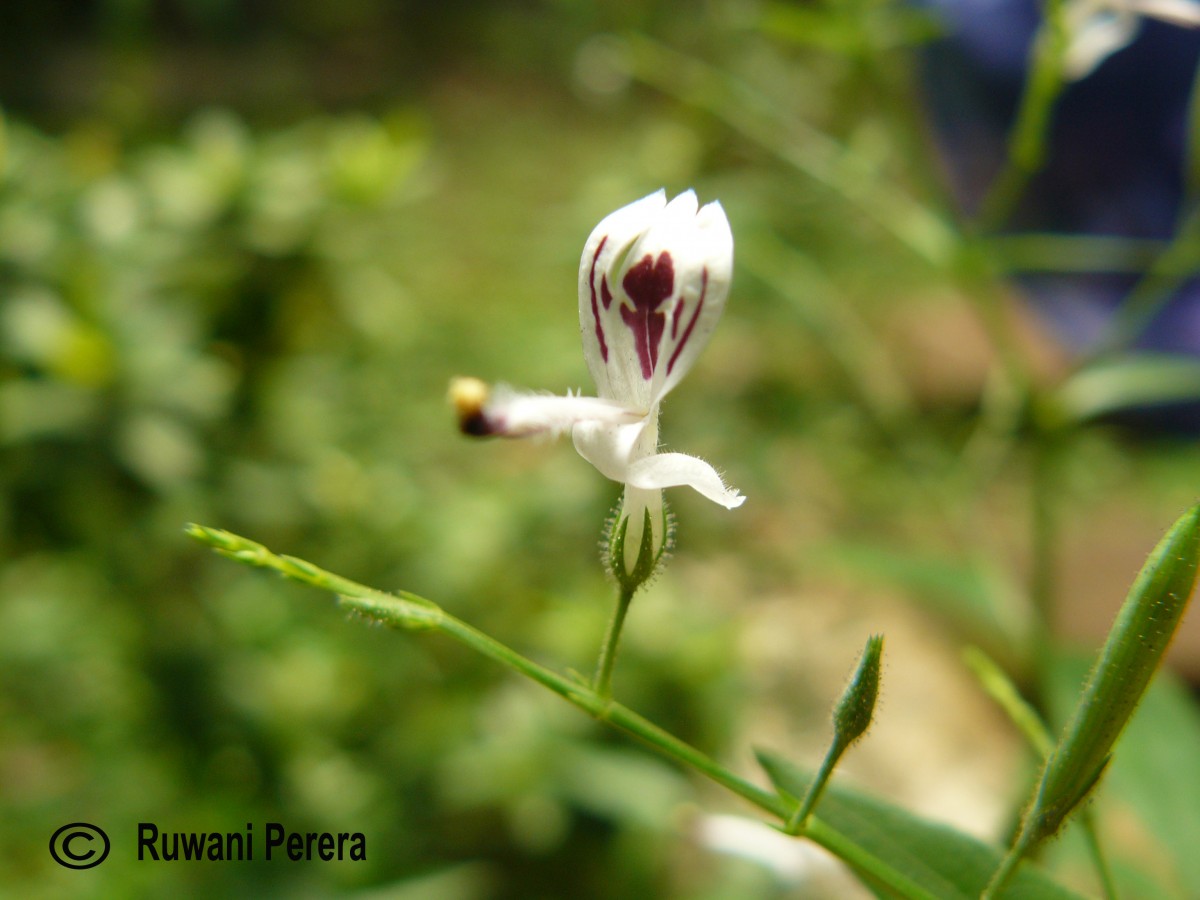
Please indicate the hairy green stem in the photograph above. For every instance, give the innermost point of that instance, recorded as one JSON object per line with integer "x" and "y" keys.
{"x": 612, "y": 640}
{"x": 589, "y": 700}
{"x": 606, "y": 710}
{"x": 1021, "y": 713}
{"x": 803, "y": 812}
{"x": 411, "y": 612}
{"x": 1008, "y": 868}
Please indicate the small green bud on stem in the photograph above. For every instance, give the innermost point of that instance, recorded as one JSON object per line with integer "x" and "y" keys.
{"x": 851, "y": 719}
{"x": 854, "y": 711}
{"x": 643, "y": 518}
{"x": 639, "y": 539}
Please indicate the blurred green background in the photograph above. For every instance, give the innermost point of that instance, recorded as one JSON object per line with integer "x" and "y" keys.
{"x": 243, "y": 249}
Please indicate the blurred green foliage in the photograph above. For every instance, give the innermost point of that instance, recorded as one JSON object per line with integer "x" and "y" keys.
{"x": 255, "y": 325}
{"x": 243, "y": 247}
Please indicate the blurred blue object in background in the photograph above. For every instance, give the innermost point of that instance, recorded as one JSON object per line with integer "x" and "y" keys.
{"x": 1116, "y": 165}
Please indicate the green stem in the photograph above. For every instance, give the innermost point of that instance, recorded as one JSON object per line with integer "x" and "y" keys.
{"x": 1043, "y": 484}
{"x": 1157, "y": 286}
{"x": 612, "y": 640}
{"x": 411, "y": 612}
{"x": 1022, "y": 714}
{"x": 803, "y": 812}
{"x": 589, "y": 700}
{"x": 1008, "y": 868}
{"x": 1041, "y": 593}
{"x": 606, "y": 710}
{"x": 1044, "y": 84}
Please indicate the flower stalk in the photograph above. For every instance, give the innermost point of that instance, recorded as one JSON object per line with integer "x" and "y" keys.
{"x": 411, "y": 612}
{"x": 602, "y": 684}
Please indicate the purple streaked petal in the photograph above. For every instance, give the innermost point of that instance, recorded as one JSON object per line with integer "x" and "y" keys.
{"x": 654, "y": 295}
{"x": 648, "y": 285}
{"x": 609, "y": 357}
{"x": 654, "y": 278}
{"x": 607, "y": 299}
{"x": 702, "y": 250}
{"x": 687, "y": 332}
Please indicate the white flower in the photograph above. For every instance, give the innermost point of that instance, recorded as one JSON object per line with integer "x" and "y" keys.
{"x": 1099, "y": 28}
{"x": 653, "y": 281}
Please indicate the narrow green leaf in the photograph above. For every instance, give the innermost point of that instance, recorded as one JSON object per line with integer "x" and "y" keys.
{"x": 400, "y": 609}
{"x": 1045, "y": 251}
{"x": 1152, "y": 787}
{"x": 1114, "y": 384}
{"x": 1135, "y": 647}
{"x": 1000, "y": 688}
{"x": 1173, "y": 267}
{"x": 943, "y": 861}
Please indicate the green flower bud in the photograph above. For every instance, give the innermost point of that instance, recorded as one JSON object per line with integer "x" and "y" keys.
{"x": 854, "y": 711}
{"x": 640, "y": 536}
